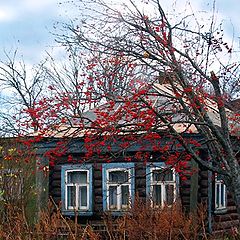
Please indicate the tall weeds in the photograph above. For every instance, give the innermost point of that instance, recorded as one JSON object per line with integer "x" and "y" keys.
{"x": 146, "y": 223}
{"x": 51, "y": 226}
{"x": 141, "y": 222}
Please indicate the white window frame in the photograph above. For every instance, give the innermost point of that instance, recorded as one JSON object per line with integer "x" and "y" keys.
{"x": 119, "y": 166}
{"x": 163, "y": 185}
{"x": 77, "y": 186}
{"x": 219, "y": 184}
{"x": 119, "y": 189}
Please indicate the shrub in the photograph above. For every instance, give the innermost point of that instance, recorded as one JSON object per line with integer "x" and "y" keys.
{"x": 144, "y": 222}
{"x": 51, "y": 226}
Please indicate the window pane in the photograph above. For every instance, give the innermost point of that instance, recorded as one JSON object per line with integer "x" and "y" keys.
{"x": 217, "y": 195}
{"x": 77, "y": 177}
{"x": 168, "y": 175}
{"x": 118, "y": 177}
{"x": 169, "y": 194}
{"x": 113, "y": 197}
{"x": 125, "y": 195}
{"x": 157, "y": 195}
{"x": 157, "y": 175}
{"x": 71, "y": 196}
{"x": 83, "y": 196}
{"x": 222, "y": 195}
{"x": 161, "y": 175}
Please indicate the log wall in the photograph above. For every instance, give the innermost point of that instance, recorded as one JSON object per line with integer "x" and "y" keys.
{"x": 219, "y": 221}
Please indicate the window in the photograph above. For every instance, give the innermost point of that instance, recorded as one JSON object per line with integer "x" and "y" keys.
{"x": 77, "y": 189}
{"x": 220, "y": 193}
{"x": 161, "y": 184}
{"x": 118, "y": 186}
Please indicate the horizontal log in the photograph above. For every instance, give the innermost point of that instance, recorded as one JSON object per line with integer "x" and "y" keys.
{"x": 56, "y": 175}
{"x": 55, "y": 183}
{"x": 230, "y": 202}
{"x": 57, "y": 168}
{"x": 186, "y": 182}
{"x": 185, "y": 191}
{"x": 98, "y": 208}
{"x": 203, "y": 174}
{"x": 97, "y": 183}
{"x": 141, "y": 193}
{"x": 97, "y": 175}
{"x": 98, "y": 192}
{"x": 56, "y": 192}
{"x": 185, "y": 187}
{"x": 140, "y": 173}
{"x": 140, "y": 183}
{"x": 204, "y": 192}
{"x": 185, "y": 200}
{"x": 203, "y": 183}
{"x": 225, "y": 217}
{"x": 57, "y": 200}
{"x": 98, "y": 200}
{"x": 231, "y": 209}
{"x": 225, "y": 225}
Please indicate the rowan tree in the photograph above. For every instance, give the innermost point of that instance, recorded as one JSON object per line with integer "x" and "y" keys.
{"x": 148, "y": 75}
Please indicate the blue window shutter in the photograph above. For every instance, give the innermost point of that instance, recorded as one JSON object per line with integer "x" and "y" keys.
{"x": 104, "y": 186}
{"x": 67, "y": 167}
{"x": 107, "y": 166}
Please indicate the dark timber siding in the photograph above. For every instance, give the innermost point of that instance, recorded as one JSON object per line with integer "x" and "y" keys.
{"x": 55, "y": 184}
{"x": 226, "y": 221}
{"x": 205, "y": 187}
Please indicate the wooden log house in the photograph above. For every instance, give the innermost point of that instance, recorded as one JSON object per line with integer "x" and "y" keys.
{"x": 107, "y": 187}
{"x": 99, "y": 186}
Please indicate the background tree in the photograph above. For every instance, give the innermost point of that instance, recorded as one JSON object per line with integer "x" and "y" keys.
{"x": 21, "y": 88}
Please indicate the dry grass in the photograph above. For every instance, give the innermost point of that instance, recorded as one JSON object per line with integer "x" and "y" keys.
{"x": 51, "y": 226}
{"x": 142, "y": 223}
{"x": 146, "y": 223}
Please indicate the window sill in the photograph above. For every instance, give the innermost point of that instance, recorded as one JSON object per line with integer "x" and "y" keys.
{"x": 220, "y": 211}
{"x": 117, "y": 212}
{"x": 79, "y": 213}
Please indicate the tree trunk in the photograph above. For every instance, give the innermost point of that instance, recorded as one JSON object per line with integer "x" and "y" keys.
{"x": 235, "y": 188}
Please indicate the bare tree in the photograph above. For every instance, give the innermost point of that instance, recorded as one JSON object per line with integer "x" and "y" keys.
{"x": 21, "y": 88}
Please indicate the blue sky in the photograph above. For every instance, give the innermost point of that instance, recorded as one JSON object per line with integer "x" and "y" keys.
{"x": 228, "y": 11}
{"x": 26, "y": 24}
